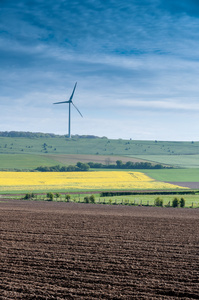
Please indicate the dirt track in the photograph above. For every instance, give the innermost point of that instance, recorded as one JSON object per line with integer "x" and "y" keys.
{"x": 79, "y": 251}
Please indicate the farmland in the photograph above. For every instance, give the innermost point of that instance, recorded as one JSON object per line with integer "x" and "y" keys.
{"x": 178, "y": 161}
{"x": 85, "y": 145}
{"x": 32, "y": 161}
{"x": 94, "y": 146}
{"x": 138, "y": 198}
{"x": 80, "y": 181}
{"x": 24, "y": 161}
{"x": 73, "y": 250}
{"x": 30, "y": 151}
{"x": 27, "y": 151}
{"x": 174, "y": 175}
{"x": 78, "y": 251}
{"x": 44, "y": 149}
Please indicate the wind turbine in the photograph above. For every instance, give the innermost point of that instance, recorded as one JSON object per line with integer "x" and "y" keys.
{"x": 70, "y": 102}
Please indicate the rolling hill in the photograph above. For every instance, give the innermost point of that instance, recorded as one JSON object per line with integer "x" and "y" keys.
{"x": 28, "y": 150}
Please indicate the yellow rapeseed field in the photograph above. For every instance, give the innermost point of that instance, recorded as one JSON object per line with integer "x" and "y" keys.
{"x": 113, "y": 180}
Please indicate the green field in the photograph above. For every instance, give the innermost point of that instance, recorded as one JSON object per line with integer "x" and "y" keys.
{"x": 191, "y": 201}
{"x": 170, "y": 175}
{"x": 179, "y": 161}
{"x": 32, "y": 161}
{"x": 174, "y": 175}
{"x": 25, "y": 161}
{"x": 98, "y": 146}
{"x": 28, "y": 153}
{"x": 46, "y": 150}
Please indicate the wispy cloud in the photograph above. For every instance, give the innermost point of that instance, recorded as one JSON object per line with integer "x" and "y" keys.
{"x": 161, "y": 105}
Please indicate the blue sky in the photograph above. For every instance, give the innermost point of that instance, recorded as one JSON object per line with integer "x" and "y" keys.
{"x": 136, "y": 63}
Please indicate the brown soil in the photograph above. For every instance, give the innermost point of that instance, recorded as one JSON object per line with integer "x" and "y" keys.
{"x": 82, "y": 251}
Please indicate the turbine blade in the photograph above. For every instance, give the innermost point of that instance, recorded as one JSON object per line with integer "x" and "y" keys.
{"x": 77, "y": 109}
{"x": 61, "y": 102}
{"x": 71, "y": 97}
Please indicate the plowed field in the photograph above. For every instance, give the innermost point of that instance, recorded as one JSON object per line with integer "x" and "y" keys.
{"x": 82, "y": 251}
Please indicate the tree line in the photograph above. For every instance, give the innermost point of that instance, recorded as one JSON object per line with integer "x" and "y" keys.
{"x": 128, "y": 165}
{"x": 79, "y": 167}
{"x": 176, "y": 202}
{"x": 86, "y": 166}
{"x": 27, "y": 134}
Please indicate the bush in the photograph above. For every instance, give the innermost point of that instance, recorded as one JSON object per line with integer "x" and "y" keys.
{"x": 57, "y": 195}
{"x": 182, "y": 202}
{"x": 158, "y": 201}
{"x": 67, "y": 197}
{"x": 82, "y": 167}
{"x": 175, "y": 202}
{"x": 92, "y": 199}
{"x": 29, "y": 196}
{"x": 50, "y": 196}
{"x": 86, "y": 199}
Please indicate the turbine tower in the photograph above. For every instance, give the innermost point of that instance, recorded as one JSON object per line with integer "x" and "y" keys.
{"x": 69, "y": 116}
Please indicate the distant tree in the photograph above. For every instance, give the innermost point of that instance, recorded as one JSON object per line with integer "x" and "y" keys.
{"x": 110, "y": 201}
{"x": 92, "y": 199}
{"x": 182, "y": 202}
{"x": 91, "y": 164}
{"x": 67, "y": 197}
{"x": 56, "y": 168}
{"x": 63, "y": 169}
{"x": 50, "y": 196}
{"x": 85, "y": 167}
{"x": 71, "y": 168}
{"x": 119, "y": 163}
{"x": 79, "y": 164}
{"x": 95, "y": 165}
{"x": 86, "y": 199}
{"x": 158, "y": 166}
{"x": 129, "y": 165}
{"x": 175, "y": 202}
{"x": 82, "y": 166}
{"x": 158, "y": 201}
{"x": 43, "y": 169}
{"x": 29, "y": 196}
{"x": 57, "y": 195}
